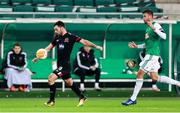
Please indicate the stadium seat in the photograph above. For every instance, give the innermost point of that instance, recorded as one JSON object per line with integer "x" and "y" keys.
{"x": 46, "y": 2}
{"x": 49, "y": 16}
{"x": 95, "y": 16}
{"x": 64, "y": 9}
{"x": 154, "y": 9}
{"x": 107, "y": 9}
{"x": 4, "y": 1}
{"x": 20, "y": 1}
{"x": 4, "y": 5}
{"x": 22, "y": 16}
{"x": 147, "y": 3}
{"x": 131, "y": 16}
{"x": 124, "y": 1}
{"x": 44, "y": 9}
{"x": 87, "y": 9}
{"x": 104, "y": 2}
{"x": 23, "y": 8}
{"x": 55, "y": 16}
{"x": 14, "y": 16}
{"x": 6, "y": 9}
{"x": 113, "y": 16}
{"x": 84, "y": 2}
{"x": 63, "y": 2}
{"x": 129, "y": 9}
{"x": 70, "y": 16}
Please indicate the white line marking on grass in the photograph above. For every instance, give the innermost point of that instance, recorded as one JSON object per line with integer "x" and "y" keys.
{"x": 89, "y": 112}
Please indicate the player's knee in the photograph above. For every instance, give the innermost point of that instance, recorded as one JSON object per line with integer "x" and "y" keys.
{"x": 154, "y": 78}
{"x": 50, "y": 81}
{"x": 69, "y": 82}
{"x": 140, "y": 74}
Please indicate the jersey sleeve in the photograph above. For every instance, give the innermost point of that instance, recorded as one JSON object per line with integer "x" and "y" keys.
{"x": 24, "y": 59}
{"x": 159, "y": 30}
{"x": 10, "y": 60}
{"x": 54, "y": 41}
{"x": 76, "y": 38}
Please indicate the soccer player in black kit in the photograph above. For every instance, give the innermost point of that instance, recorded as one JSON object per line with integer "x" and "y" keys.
{"x": 64, "y": 42}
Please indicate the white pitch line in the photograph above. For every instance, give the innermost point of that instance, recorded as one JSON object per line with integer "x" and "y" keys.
{"x": 89, "y": 112}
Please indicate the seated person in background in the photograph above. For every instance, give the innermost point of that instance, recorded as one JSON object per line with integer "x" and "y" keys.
{"x": 87, "y": 65}
{"x": 16, "y": 72}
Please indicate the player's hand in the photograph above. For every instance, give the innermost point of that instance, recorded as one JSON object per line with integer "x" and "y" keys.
{"x": 99, "y": 47}
{"x": 93, "y": 68}
{"x": 35, "y": 60}
{"x": 132, "y": 45}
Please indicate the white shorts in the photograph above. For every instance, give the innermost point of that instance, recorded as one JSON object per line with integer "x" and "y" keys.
{"x": 150, "y": 63}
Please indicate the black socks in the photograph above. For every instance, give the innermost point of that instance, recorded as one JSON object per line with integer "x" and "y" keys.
{"x": 52, "y": 92}
{"x": 75, "y": 88}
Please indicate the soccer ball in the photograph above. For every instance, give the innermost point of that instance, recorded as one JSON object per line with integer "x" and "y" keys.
{"x": 131, "y": 63}
{"x": 41, "y": 54}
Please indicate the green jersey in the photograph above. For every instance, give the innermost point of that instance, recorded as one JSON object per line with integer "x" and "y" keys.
{"x": 152, "y": 41}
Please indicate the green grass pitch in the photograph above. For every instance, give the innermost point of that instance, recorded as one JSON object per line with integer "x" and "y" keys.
{"x": 93, "y": 105}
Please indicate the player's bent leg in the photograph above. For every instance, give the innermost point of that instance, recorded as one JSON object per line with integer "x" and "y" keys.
{"x": 154, "y": 77}
{"x": 165, "y": 79}
{"x": 82, "y": 101}
{"x": 52, "y": 78}
{"x": 51, "y": 81}
{"x": 155, "y": 88}
{"x": 69, "y": 82}
{"x": 75, "y": 88}
{"x": 137, "y": 88}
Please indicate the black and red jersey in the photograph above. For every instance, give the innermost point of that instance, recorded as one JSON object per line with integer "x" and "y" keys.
{"x": 64, "y": 46}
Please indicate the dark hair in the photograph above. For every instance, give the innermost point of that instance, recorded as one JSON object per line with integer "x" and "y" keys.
{"x": 59, "y": 23}
{"x": 16, "y": 44}
{"x": 148, "y": 12}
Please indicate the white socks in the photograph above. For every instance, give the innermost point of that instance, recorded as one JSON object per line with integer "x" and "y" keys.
{"x": 155, "y": 88}
{"x": 137, "y": 88}
{"x": 165, "y": 79}
{"x": 82, "y": 88}
{"x": 96, "y": 85}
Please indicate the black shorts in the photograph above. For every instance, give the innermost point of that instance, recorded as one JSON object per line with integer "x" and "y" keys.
{"x": 62, "y": 73}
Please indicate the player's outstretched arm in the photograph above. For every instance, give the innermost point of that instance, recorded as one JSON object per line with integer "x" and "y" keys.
{"x": 132, "y": 45}
{"x": 48, "y": 48}
{"x": 88, "y": 43}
